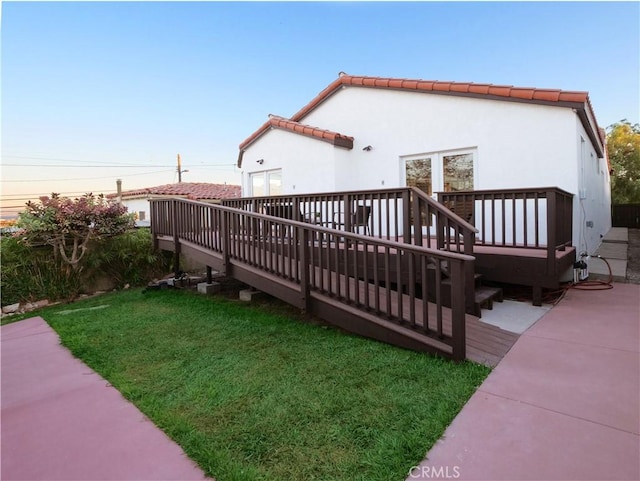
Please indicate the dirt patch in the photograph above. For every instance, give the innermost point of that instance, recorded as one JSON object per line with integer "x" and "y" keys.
{"x": 633, "y": 257}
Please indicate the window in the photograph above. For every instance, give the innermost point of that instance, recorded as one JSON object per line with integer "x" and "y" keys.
{"x": 266, "y": 183}
{"x": 458, "y": 172}
{"x": 142, "y": 215}
{"x": 418, "y": 174}
{"x": 275, "y": 182}
{"x": 443, "y": 171}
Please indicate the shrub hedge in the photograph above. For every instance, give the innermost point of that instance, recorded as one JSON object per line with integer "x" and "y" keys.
{"x": 32, "y": 273}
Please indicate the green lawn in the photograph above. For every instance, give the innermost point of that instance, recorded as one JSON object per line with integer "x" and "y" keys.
{"x": 256, "y": 393}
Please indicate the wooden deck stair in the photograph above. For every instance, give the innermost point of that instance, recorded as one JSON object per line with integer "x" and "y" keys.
{"x": 484, "y": 296}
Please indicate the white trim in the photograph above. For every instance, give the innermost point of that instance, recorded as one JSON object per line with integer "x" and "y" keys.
{"x": 437, "y": 167}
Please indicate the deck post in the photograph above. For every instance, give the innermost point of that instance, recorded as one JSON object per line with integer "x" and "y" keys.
{"x": 440, "y": 231}
{"x": 458, "y": 311}
{"x": 417, "y": 220}
{"x": 176, "y": 239}
{"x": 468, "y": 239}
{"x": 406, "y": 217}
{"x": 154, "y": 223}
{"x": 304, "y": 266}
{"x": 209, "y": 275}
{"x": 537, "y": 296}
{"x": 224, "y": 234}
{"x": 296, "y": 215}
{"x": 348, "y": 208}
{"x": 552, "y": 223}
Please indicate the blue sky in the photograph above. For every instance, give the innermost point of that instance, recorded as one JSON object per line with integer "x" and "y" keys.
{"x": 90, "y": 90}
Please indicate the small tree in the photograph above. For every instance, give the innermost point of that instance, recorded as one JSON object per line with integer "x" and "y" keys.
{"x": 623, "y": 148}
{"x": 70, "y": 225}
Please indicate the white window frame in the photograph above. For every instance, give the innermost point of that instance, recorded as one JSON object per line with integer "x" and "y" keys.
{"x": 437, "y": 166}
{"x": 267, "y": 186}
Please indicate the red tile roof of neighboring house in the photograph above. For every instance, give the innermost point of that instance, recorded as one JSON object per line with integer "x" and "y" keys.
{"x": 564, "y": 98}
{"x": 190, "y": 190}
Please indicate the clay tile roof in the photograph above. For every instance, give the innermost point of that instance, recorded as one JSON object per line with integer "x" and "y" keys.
{"x": 190, "y": 190}
{"x": 278, "y": 122}
{"x": 506, "y": 92}
{"x": 562, "y": 98}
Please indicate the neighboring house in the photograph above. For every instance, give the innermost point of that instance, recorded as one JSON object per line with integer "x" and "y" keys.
{"x": 376, "y": 133}
{"x": 137, "y": 200}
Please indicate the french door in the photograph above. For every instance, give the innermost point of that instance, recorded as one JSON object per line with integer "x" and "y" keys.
{"x": 440, "y": 172}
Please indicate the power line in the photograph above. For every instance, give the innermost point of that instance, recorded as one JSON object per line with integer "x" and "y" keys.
{"x": 86, "y": 166}
{"x": 35, "y": 197}
{"x": 82, "y": 178}
{"x": 80, "y": 192}
{"x": 57, "y": 159}
{"x": 212, "y": 166}
{"x": 100, "y": 162}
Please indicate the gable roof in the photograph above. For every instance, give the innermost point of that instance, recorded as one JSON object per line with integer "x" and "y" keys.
{"x": 277, "y": 122}
{"x": 577, "y": 100}
{"x": 190, "y": 190}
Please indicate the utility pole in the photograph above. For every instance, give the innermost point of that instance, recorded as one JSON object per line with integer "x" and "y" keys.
{"x": 179, "y": 169}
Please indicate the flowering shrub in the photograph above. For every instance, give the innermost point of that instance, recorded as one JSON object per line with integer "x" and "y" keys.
{"x": 69, "y": 226}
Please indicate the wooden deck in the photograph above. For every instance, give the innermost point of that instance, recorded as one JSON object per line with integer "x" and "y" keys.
{"x": 393, "y": 284}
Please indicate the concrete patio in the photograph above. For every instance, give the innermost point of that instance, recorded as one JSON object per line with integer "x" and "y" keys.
{"x": 62, "y": 421}
{"x": 564, "y": 403}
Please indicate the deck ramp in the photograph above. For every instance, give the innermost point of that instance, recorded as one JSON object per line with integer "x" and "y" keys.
{"x": 343, "y": 278}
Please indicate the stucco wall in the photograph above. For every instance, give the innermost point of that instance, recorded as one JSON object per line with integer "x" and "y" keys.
{"x": 307, "y": 165}
{"x": 137, "y": 205}
{"x": 515, "y": 145}
{"x": 592, "y": 204}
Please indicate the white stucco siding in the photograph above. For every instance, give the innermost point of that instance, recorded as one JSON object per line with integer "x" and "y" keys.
{"x": 592, "y": 205}
{"x": 514, "y": 145}
{"x": 307, "y": 164}
{"x": 136, "y": 206}
{"x": 518, "y": 144}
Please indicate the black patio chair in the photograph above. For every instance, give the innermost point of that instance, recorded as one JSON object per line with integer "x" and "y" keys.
{"x": 360, "y": 217}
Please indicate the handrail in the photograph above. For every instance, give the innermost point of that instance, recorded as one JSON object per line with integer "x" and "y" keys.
{"x": 450, "y": 230}
{"x": 446, "y": 212}
{"x": 349, "y": 235}
{"x": 404, "y": 214}
{"x": 393, "y": 215}
{"x": 344, "y": 266}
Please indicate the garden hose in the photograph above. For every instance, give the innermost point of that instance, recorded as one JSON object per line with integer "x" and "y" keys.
{"x": 596, "y": 284}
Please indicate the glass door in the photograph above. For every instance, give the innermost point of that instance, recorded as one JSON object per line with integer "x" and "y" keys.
{"x": 266, "y": 183}
{"x": 418, "y": 174}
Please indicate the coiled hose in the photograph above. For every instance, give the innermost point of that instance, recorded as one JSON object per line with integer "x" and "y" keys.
{"x": 596, "y": 284}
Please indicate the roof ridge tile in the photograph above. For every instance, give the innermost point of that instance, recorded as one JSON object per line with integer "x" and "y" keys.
{"x": 563, "y": 98}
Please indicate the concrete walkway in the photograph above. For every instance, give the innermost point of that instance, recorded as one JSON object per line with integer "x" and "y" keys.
{"x": 615, "y": 249}
{"x": 563, "y": 404}
{"x": 62, "y": 421}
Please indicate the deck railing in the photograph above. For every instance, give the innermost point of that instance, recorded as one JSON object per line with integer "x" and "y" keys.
{"x": 405, "y": 215}
{"x": 328, "y": 262}
{"x": 540, "y": 218}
